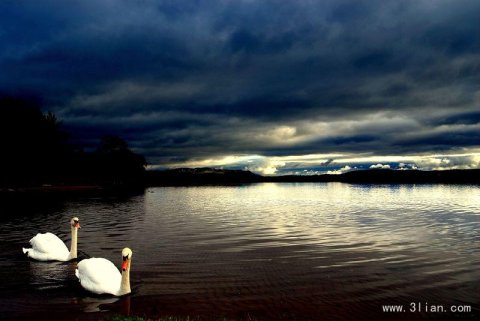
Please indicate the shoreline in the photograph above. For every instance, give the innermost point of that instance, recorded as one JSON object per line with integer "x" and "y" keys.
{"x": 217, "y": 177}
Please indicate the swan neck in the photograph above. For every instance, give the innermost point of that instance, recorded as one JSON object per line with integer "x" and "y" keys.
{"x": 73, "y": 245}
{"x": 125, "y": 285}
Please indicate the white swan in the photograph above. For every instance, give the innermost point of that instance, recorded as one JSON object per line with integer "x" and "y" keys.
{"x": 48, "y": 247}
{"x": 100, "y": 276}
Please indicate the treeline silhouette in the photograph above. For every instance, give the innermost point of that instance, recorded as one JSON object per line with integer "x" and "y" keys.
{"x": 388, "y": 176}
{"x": 210, "y": 176}
{"x": 37, "y": 151}
{"x": 201, "y": 176}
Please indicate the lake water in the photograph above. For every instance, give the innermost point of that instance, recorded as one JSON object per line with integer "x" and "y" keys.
{"x": 264, "y": 251}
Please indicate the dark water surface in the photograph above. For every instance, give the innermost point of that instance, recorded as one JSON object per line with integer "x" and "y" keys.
{"x": 266, "y": 251}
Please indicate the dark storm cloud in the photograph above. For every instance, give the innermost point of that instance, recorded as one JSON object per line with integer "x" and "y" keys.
{"x": 192, "y": 79}
{"x": 441, "y": 141}
{"x": 470, "y": 118}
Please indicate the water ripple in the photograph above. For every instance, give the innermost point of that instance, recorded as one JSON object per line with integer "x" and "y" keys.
{"x": 277, "y": 251}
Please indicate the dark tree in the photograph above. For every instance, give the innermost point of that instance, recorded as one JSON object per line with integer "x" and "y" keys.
{"x": 33, "y": 146}
{"x": 117, "y": 164}
{"x": 35, "y": 151}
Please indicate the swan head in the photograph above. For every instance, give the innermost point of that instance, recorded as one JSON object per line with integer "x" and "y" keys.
{"x": 126, "y": 256}
{"x": 75, "y": 222}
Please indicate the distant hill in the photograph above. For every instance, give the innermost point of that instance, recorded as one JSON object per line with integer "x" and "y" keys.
{"x": 200, "y": 176}
{"x": 459, "y": 176}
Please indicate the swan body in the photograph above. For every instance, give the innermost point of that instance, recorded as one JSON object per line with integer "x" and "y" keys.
{"x": 49, "y": 247}
{"x": 99, "y": 275}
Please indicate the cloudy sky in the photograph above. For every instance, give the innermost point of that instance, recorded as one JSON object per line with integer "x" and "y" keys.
{"x": 272, "y": 86}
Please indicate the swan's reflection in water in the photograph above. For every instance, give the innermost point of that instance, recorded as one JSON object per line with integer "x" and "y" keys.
{"x": 52, "y": 275}
{"x": 95, "y": 304}
{"x": 105, "y": 304}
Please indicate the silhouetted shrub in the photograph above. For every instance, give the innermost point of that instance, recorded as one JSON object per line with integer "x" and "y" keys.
{"x": 35, "y": 150}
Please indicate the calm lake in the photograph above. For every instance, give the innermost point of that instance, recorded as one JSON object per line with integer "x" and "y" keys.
{"x": 263, "y": 251}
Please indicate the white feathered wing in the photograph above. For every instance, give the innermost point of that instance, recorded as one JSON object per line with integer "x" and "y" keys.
{"x": 47, "y": 247}
{"x": 99, "y": 275}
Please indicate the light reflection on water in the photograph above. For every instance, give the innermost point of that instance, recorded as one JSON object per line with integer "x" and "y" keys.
{"x": 276, "y": 251}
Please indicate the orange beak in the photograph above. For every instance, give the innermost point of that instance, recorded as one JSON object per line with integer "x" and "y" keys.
{"x": 77, "y": 225}
{"x": 125, "y": 265}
